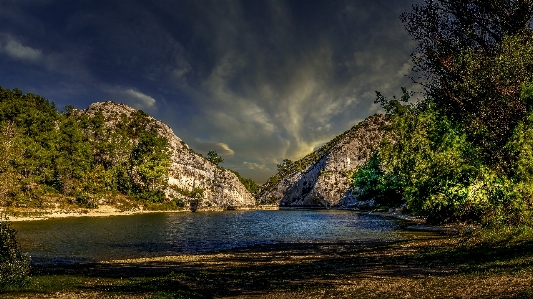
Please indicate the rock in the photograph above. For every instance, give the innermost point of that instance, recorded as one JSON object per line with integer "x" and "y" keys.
{"x": 322, "y": 178}
{"x": 189, "y": 171}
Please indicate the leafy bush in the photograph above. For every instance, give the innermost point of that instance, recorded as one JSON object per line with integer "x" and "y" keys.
{"x": 432, "y": 166}
{"x": 14, "y": 266}
{"x": 372, "y": 183}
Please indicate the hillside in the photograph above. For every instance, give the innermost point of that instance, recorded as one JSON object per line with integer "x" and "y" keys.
{"x": 191, "y": 177}
{"x": 322, "y": 178}
{"x": 106, "y": 155}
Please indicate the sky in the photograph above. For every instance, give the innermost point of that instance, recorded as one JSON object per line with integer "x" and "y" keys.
{"x": 257, "y": 81}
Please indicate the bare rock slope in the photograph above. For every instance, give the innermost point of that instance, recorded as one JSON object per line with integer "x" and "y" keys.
{"x": 220, "y": 188}
{"x": 322, "y": 178}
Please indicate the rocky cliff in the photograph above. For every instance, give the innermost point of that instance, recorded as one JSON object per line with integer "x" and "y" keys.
{"x": 192, "y": 178}
{"x": 322, "y": 178}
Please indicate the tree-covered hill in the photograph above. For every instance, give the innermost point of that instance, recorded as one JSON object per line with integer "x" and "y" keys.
{"x": 54, "y": 158}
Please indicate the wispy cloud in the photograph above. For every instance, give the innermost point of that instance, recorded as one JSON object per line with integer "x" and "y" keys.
{"x": 221, "y": 148}
{"x": 255, "y": 166}
{"x": 134, "y": 98}
{"x": 17, "y": 50}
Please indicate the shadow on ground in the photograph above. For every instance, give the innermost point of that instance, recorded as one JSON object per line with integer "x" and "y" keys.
{"x": 424, "y": 268}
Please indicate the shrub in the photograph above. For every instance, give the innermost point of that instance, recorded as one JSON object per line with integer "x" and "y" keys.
{"x": 14, "y": 266}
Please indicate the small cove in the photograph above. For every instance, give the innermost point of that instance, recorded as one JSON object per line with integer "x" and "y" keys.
{"x": 71, "y": 240}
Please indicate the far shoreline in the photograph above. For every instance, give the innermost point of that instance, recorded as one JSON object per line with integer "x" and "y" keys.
{"x": 108, "y": 211}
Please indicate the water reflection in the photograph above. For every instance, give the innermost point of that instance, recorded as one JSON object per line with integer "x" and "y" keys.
{"x": 157, "y": 234}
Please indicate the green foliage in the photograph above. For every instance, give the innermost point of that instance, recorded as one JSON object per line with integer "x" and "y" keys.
{"x": 465, "y": 152}
{"x": 150, "y": 158}
{"x": 440, "y": 174}
{"x": 14, "y": 266}
{"x": 10, "y": 179}
{"x": 194, "y": 193}
{"x": 28, "y": 138}
{"x": 394, "y": 106}
{"x": 437, "y": 170}
{"x": 74, "y": 154}
{"x": 372, "y": 183}
{"x": 474, "y": 56}
{"x": 284, "y": 165}
{"x": 526, "y": 94}
{"x": 214, "y": 158}
{"x": 250, "y": 185}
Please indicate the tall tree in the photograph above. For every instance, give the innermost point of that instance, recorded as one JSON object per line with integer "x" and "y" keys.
{"x": 10, "y": 149}
{"x": 150, "y": 160}
{"x": 473, "y": 57}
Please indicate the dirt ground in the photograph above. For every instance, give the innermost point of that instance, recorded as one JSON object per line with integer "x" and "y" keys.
{"x": 433, "y": 267}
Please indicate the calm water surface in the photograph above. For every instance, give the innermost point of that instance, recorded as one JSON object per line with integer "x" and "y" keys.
{"x": 157, "y": 234}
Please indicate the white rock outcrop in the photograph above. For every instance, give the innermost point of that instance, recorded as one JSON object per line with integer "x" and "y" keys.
{"x": 325, "y": 177}
{"x": 189, "y": 170}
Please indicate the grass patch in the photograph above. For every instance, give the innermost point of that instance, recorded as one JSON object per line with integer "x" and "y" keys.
{"x": 504, "y": 250}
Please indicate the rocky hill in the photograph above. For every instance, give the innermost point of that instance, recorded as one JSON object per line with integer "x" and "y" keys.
{"x": 192, "y": 178}
{"x": 322, "y": 178}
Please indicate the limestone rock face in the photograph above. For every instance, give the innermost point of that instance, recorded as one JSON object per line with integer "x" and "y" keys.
{"x": 189, "y": 171}
{"x": 322, "y": 178}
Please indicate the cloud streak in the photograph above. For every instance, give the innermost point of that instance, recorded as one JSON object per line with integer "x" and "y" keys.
{"x": 133, "y": 98}
{"x": 221, "y": 148}
{"x": 16, "y": 50}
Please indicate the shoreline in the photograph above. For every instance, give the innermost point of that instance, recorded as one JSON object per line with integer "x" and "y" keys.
{"x": 101, "y": 211}
{"x": 107, "y": 211}
{"x": 416, "y": 223}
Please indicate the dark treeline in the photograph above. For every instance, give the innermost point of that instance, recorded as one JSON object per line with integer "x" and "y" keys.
{"x": 465, "y": 151}
{"x": 47, "y": 153}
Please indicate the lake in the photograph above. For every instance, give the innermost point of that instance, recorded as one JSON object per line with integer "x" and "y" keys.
{"x": 70, "y": 240}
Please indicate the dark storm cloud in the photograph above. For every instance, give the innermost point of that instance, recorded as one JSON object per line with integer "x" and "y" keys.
{"x": 258, "y": 81}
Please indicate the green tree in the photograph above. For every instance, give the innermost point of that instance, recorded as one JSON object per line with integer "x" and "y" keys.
{"x": 214, "y": 158}
{"x": 372, "y": 182}
{"x": 75, "y": 158}
{"x": 430, "y": 161}
{"x": 150, "y": 160}
{"x": 473, "y": 57}
{"x": 284, "y": 165}
{"x": 10, "y": 179}
{"x": 464, "y": 151}
{"x": 35, "y": 120}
